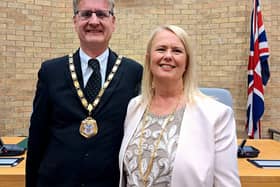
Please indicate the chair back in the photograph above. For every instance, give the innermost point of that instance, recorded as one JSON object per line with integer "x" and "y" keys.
{"x": 220, "y": 94}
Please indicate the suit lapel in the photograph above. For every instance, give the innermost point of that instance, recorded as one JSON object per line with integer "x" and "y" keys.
{"x": 78, "y": 69}
{"x": 111, "y": 61}
{"x": 77, "y": 63}
{"x": 110, "y": 90}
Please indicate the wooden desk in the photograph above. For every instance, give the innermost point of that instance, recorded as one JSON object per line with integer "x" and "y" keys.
{"x": 13, "y": 176}
{"x": 252, "y": 176}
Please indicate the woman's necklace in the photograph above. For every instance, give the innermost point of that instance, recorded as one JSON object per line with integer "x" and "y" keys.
{"x": 170, "y": 117}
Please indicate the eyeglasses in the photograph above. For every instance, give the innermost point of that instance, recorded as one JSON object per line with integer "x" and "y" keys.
{"x": 101, "y": 14}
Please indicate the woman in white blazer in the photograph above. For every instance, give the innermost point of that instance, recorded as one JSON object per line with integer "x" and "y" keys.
{"x": 174, "y": 135}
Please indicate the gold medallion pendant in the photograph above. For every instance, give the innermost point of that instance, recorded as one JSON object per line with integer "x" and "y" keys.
{"x": 88, "y": 127}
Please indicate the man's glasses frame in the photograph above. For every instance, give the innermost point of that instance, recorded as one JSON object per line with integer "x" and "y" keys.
{"x": 100, "y": 14}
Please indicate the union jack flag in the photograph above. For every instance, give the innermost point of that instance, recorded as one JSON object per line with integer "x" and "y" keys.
{"x": 258, "y": 72}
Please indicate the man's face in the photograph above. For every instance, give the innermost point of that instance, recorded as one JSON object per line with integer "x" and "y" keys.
{"x": 94, "y": 23}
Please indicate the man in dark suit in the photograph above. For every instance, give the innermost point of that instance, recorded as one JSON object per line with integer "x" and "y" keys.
{"x": 74, "y": 139}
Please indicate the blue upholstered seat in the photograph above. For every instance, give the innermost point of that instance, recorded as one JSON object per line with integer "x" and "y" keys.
{"x": 221, "y": 94}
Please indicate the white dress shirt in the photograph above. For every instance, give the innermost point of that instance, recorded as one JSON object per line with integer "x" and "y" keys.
{"x": 86, "y": 69}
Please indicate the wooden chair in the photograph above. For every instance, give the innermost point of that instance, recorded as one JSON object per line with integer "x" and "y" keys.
{"x": 274, "y": 133}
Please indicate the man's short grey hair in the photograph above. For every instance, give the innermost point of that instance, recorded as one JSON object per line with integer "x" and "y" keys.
{"x": 76, "y": 3}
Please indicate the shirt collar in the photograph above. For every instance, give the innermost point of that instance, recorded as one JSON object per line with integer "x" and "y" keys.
{"x": 103, "y": 58}
{"x": 86, "y": 71}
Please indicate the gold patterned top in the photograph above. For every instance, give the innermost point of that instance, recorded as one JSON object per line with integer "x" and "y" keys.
{"x": 160, "y": 175}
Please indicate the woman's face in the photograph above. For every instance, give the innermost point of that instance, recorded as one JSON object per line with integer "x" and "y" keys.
{"x": 168, "y": 58}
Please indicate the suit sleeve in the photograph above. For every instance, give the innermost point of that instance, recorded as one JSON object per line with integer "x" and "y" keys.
{"x": 226, "y": 167}
{"x": 38, "y": 130}
{"x": 139, "y": 78}
{"x": 135, "y": 71}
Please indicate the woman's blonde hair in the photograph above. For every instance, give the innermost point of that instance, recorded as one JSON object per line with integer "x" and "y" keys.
{"x": 189, "y": 77}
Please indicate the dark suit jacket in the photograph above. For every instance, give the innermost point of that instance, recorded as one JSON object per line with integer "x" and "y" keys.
{"x": 58, "y": 156}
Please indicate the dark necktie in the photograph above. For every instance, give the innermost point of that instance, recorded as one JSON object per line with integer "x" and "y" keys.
{"x": 94, "y": 83}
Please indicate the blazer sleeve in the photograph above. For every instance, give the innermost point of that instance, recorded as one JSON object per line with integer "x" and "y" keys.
{"x": 225, "y": 164}
{"x": 38, "y": 131}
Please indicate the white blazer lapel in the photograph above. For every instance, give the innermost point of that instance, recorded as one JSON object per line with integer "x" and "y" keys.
{"x": 134, "y": 115}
